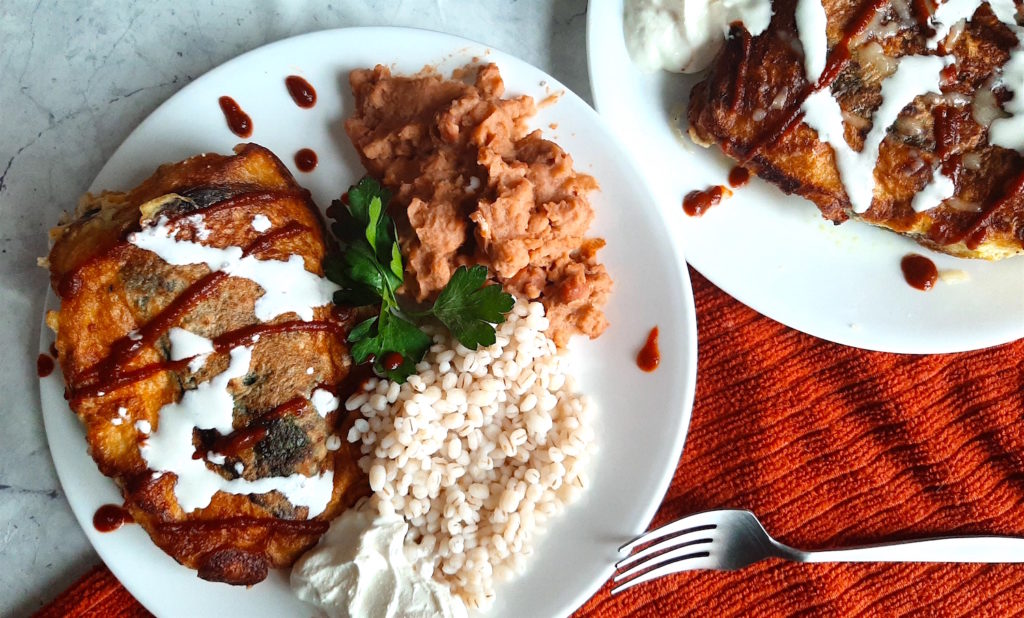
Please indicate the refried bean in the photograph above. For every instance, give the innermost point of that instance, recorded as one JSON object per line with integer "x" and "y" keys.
{"x": 474, "y": 185}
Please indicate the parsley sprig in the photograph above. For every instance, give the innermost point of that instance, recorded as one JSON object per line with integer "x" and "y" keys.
{"x": 369, "y": 270}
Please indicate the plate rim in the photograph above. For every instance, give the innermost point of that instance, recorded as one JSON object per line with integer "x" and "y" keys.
{"x": 736, "y": 289}
{"x": 688, "y": 356}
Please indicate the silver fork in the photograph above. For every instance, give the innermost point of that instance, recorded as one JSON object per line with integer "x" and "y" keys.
{"x": 727, "y": 540}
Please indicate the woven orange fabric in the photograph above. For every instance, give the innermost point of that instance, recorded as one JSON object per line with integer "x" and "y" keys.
{"x": 97, "y": 595}
{"x": 830, "y": 446}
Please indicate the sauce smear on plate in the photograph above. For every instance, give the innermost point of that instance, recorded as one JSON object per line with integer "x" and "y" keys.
{"x": 238, "y": 121}
{"x": 306, "y": 160}
{"x": 44, "y": 365}
{"x": 302, "y": 92}
{"x": 392, "y": 361}
{"x": 919, "y": 271}
{"x": 739, "y": 176}
{"x": 649, "y": 356}
{"x": 110, "y": 517}
{"x": 696, "y": 203}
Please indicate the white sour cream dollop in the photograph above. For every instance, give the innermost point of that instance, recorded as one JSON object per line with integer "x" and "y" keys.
{"x": 360, "y": 568}
{"x": 684, "y": 35}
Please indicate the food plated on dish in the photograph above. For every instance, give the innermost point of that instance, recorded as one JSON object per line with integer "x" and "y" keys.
{"x": 201, "y": 348}
{"x": 883, "y": 113}
{"x": 903, "y": 120}
{"x": 200, "y": 352}
{"x": 264, "y": 376}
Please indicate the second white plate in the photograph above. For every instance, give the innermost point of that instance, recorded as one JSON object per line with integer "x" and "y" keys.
{"x": 774, "y": 252}
{"x": 642, "y": 418}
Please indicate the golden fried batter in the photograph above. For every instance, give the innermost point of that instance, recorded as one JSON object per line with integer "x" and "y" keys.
{"x": 118, "y": 303}
{"x": 750, "y": 102}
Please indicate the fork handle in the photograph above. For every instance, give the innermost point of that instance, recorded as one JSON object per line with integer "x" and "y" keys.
{"x": 950, "y": 549}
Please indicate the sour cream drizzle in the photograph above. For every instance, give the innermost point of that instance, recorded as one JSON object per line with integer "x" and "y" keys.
{"x": 916, "y": 75}
{"x": 261, "y": 223}
{"x": 210, "y": 406}
{"x": 1005, "y": 132}
{"x": 324, "y": 401}
{"x": 684, "y": 35}
{"x": 811, "y": 25}
{"x": 1009, "y": 132}
{"x": 186, "y": 345}
{"x": 288, "y": 287}
{"x": 940, "y": 189}
{"x": 951, "y": 12}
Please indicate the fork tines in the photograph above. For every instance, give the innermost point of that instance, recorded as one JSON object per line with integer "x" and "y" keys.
{"x": 660, "y": 552}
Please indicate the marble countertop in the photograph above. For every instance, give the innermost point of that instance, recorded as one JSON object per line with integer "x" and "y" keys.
{"x": 77, "y": 78}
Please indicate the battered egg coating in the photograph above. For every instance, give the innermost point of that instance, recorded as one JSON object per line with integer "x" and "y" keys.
{"x": 119, "y": 303}
{"x": 749, "y": 105}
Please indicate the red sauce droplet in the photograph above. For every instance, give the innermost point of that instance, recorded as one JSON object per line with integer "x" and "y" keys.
{"x": 919, "y": 271}
{"x": 44, "y": 365}
{"x": 302, "y": 92}
{"x": 69, "y": 285}
{"x": 236, "y": 442}
{"x": 975, "y": 238}
{"x": 305, "y": 160}
{"x": 948, "y": 74}
{"x": 649, "y": 356}
{"x": 696, "y": 203}
{"x": 238, "y": 121}
{"x": 110, "y": 517}
{"x": 293, "y": 407}
{"x": 739, "y": 176}
{"x": 392, "y": 361}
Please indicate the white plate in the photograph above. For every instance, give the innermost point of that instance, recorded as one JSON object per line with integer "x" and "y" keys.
{"x": 774, "y": 252}
{"x": 643, "y": 418}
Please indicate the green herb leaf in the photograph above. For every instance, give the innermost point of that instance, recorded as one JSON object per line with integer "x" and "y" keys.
{"x": 393, "y": 333}
{"x": 396, "y": 262}
{"x": 360, "y": 196}
{"x": 370, "y": 271}
{"x": 469, "y": 308}
{"x": 362, "y": 330}
{"x": 357, "y": 272}
{"x": 371, "y": 224}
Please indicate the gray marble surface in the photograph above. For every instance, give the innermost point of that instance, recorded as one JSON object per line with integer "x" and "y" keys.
{"x": 76, "y": 78}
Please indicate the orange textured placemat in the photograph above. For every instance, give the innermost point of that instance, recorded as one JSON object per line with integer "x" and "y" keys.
{"x": 97, "y": 595}
{"x": 829, "y": 445}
